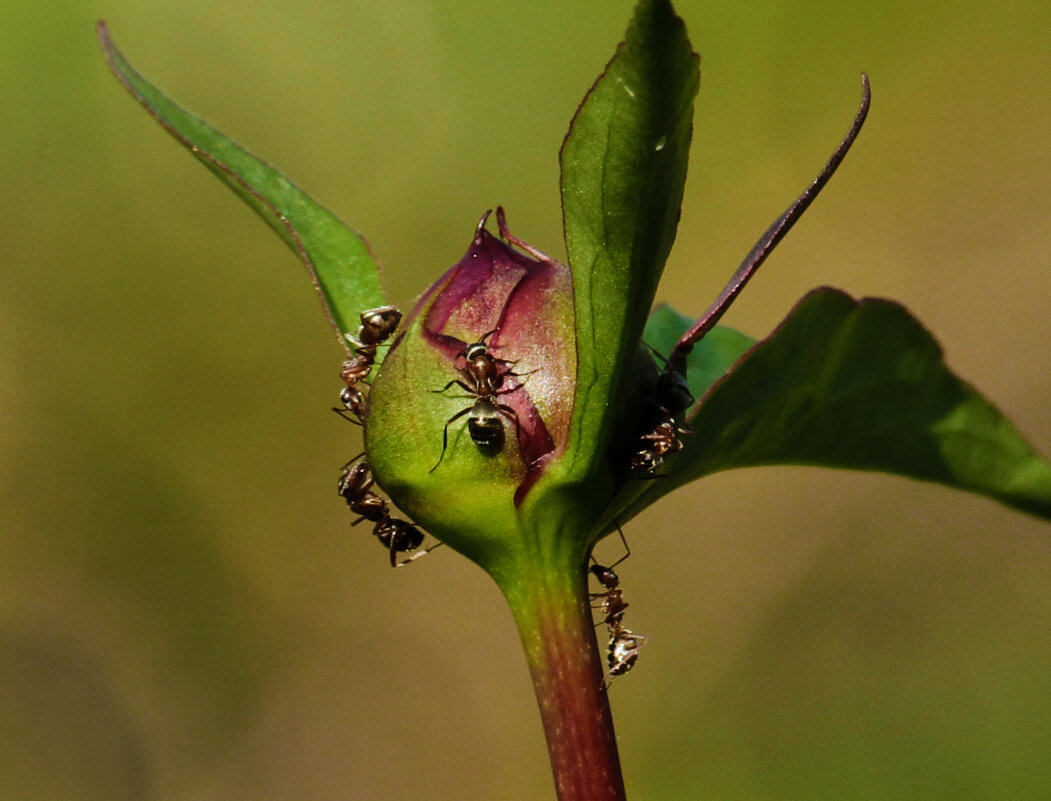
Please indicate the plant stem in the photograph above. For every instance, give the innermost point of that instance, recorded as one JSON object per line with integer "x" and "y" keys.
{"x": 554, "y": 621}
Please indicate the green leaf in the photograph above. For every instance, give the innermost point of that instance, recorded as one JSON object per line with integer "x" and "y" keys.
{"x": 341, "y": 267}
{"x": 859, "y": 385}
{"x": 623, "y": 169}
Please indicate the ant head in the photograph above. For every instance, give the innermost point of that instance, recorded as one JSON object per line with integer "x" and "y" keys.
{"x": 475, "y": 350}
{"x": 605, "y": 575}
{"x": 354, "y": 480}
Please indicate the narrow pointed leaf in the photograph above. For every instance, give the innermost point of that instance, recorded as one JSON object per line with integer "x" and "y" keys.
{"x": 623, "y": 169}
{"x": 341, "y": 267}
{"x": 859, "y": 385}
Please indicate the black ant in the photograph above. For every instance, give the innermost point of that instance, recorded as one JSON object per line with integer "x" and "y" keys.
{"x": 672, "y": 398}
{"x": 354, "y": 405}
{"x": 376, "y": 326}
{"x": 613, "y": 603}
{"x": 395, "y": 534}
{"x": 624, "y": 644}
{"x": 482, "y": 377}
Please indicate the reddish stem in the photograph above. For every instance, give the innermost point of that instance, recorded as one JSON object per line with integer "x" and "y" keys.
{"x": 554, "y": 622}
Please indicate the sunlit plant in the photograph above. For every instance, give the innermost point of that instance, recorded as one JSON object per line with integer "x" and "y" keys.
{"x": 523, "y": 409}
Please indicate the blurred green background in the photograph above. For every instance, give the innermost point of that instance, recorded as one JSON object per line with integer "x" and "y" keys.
{"x": 184, "y": 610}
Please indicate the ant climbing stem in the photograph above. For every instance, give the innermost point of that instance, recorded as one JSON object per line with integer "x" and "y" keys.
{"x": 613, "y": 603}
{"x": 624, "y": 644}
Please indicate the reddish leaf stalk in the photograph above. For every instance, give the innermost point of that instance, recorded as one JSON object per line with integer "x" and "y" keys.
{"x": 558, "y": 635}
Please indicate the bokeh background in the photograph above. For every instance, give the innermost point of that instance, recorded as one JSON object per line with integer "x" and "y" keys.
{"x": 184, "y": 610}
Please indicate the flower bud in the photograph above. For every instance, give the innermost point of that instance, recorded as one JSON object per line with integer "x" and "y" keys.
{"x": 474, "y": 400}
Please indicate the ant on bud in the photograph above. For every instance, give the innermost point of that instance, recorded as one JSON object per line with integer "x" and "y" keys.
{"x": 482, "y": 378}
{"x": 376, "y": 327}
{"x": 396, "y": 535}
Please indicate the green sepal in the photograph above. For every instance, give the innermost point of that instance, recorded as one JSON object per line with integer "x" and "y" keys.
{"x": 338, "y": 258}
{"x": 623, "y": 169}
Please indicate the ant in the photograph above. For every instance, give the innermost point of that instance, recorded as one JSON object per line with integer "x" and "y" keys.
{"x": 672, "y": 398}
{"x": 396, "y": 535}
{"x": 613, "y": 603}
{"x": 624, "y": 644}
{"x": 376, "y": 326}
{"x": 482, "y": 377}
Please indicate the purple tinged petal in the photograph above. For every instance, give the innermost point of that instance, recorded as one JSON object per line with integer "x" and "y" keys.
{"x": 522, "y": 305}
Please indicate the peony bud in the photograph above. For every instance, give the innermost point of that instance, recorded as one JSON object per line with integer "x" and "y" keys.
{"x": 473, "y": 402}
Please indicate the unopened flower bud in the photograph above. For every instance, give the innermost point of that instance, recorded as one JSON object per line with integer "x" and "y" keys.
{"x": 474, "y": 400}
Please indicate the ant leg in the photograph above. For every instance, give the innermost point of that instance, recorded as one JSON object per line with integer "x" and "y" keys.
{"x": 347, "y": 415}
{"x": 418, "y": 554}
{"x": 445, "y": 435}
{"x": 511, "y": 414}
{"x": 627, "y": 550}
{"x": 352, "y": 460}
{"x": 459, "y": 383}
{"x": 627, "y": 553}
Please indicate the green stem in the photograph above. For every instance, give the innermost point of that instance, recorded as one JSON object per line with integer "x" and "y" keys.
{"x": 553, "y": 614}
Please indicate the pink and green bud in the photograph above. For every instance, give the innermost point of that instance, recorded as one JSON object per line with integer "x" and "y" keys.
{"x": 473, "y": 403}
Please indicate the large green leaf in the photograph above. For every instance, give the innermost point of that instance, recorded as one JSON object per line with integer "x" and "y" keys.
{"x": 344, "y": 272}
{"x": 860, "y": 385}
{"x": 623, "y": 169}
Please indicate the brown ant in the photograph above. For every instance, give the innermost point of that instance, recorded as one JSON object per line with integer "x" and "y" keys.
{"x": 613, "y": 603}
{"x": 376, "y": 326}
{"x": 624, "y": 644}
{"x": 396, "y": 535}
{"x": 482, "y": 377}
{"x": 354, "y": 405}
